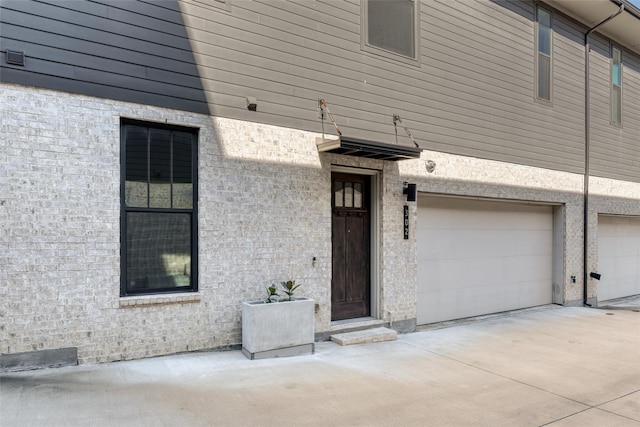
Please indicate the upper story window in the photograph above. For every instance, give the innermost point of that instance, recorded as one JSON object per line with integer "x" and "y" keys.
{"x": 159, "y": 211}
{"x": 544, "y": 48}
{"x": 616, "y": 85}
{"x": 391, "y": 26}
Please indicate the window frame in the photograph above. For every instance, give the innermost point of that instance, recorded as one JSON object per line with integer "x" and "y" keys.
{"x": 613, "y": 86}
{"x": 354, "y": 200}
{"x": 538, "y": 53}
{"x": 390, "y": 54}
{"x": 125, "y": 210}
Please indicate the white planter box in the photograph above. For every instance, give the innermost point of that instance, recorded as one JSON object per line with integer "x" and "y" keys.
{"x": 278, "y": 329}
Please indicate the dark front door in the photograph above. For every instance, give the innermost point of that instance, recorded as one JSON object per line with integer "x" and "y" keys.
{"x": 350, "y": 284}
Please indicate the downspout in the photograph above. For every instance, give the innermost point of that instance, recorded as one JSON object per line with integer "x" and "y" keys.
{"x": 587, "y": 124}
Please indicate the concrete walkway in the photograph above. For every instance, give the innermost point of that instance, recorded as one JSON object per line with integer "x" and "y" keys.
{"x": 557, "y": 366}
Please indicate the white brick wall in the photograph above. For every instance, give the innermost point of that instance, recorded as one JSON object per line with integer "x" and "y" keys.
{"x": 264, "y": 213}
{"x": 261, "y": 219}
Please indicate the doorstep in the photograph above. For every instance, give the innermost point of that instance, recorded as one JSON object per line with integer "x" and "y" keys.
{"x": 365, "y": 336}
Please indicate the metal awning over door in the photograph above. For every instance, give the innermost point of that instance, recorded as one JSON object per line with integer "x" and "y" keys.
{"x": 369, "y": 149}
{"x": 363, "y": 148}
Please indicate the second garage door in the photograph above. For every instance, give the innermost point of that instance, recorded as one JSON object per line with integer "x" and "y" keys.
{"x": 477, "y": 257}
{"x": 618, "y": 257}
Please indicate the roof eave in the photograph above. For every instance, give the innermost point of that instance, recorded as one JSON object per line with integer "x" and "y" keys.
{"x": 623, "y": 30}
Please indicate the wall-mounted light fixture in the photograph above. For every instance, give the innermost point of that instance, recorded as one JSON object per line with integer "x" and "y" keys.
{"x": 252, "y": 103}
{"x": 431, "y": 166}
{"x": 595, "y": 275}
{"x": 411, "y": 190}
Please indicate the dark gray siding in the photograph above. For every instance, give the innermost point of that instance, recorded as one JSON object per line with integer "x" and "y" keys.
{"x": 119, "y": 49}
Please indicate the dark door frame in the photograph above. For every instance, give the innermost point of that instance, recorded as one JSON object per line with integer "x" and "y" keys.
{"x": 374, "y": 227}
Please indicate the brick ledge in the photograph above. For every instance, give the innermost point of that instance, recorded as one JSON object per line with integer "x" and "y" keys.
{"x": 126, "y": 302}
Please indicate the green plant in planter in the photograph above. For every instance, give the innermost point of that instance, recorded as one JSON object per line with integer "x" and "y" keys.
{"x": 272, "y": 294}
{"x": 285, "y": 328}
{"x": 289, "y": 288}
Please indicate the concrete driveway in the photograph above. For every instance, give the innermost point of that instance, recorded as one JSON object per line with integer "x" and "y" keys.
{"x": 558, "y": 366}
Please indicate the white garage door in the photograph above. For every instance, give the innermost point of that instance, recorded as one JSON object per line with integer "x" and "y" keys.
{"x": 478, "y": 257}
{"x": 618, "y": 257}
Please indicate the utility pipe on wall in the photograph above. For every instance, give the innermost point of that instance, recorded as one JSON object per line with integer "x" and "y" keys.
{"x": 587, "y": 171}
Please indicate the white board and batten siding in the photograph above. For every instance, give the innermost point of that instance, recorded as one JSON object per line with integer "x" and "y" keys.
{"x": 618, "y": 257}
{"x": 478, "y": 257}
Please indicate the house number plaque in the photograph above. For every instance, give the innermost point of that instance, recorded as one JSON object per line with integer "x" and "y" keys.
{"x": 406, "y": 222}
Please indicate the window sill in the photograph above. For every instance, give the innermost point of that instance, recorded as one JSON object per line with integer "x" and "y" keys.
{"x": 545, "y": 102}
{"x": 146, "y": 300}
{"x": 390, "y": 55}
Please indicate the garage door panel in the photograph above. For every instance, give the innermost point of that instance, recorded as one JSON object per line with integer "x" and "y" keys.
{"x": 472, "y": 243}
{"x": 622, "y": 287}
{"x": 629, "y": 245}
{"x": 479, "y": 257}
{"x": 527, "y": 268}
{"x": 607, "y": 264}
{"x": 613, "y": 247}
{"x": 436, "y": 306}
{"x": 451, "y": 213}
{"x": 606, "y": 246}
{"x": 481, "y": 273}
{"x": 631, "y": 286}
{"x": 446, "y": 274}
{"x": 618, "y": 257}
{"x": 626, "y": 265}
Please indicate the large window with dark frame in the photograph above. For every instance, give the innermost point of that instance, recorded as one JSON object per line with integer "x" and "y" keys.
{"x": 391, "y": 25}
{"x": 544, "y": 47}
{"x": 616, "y": 85}
{"x": 159, "y": 211}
